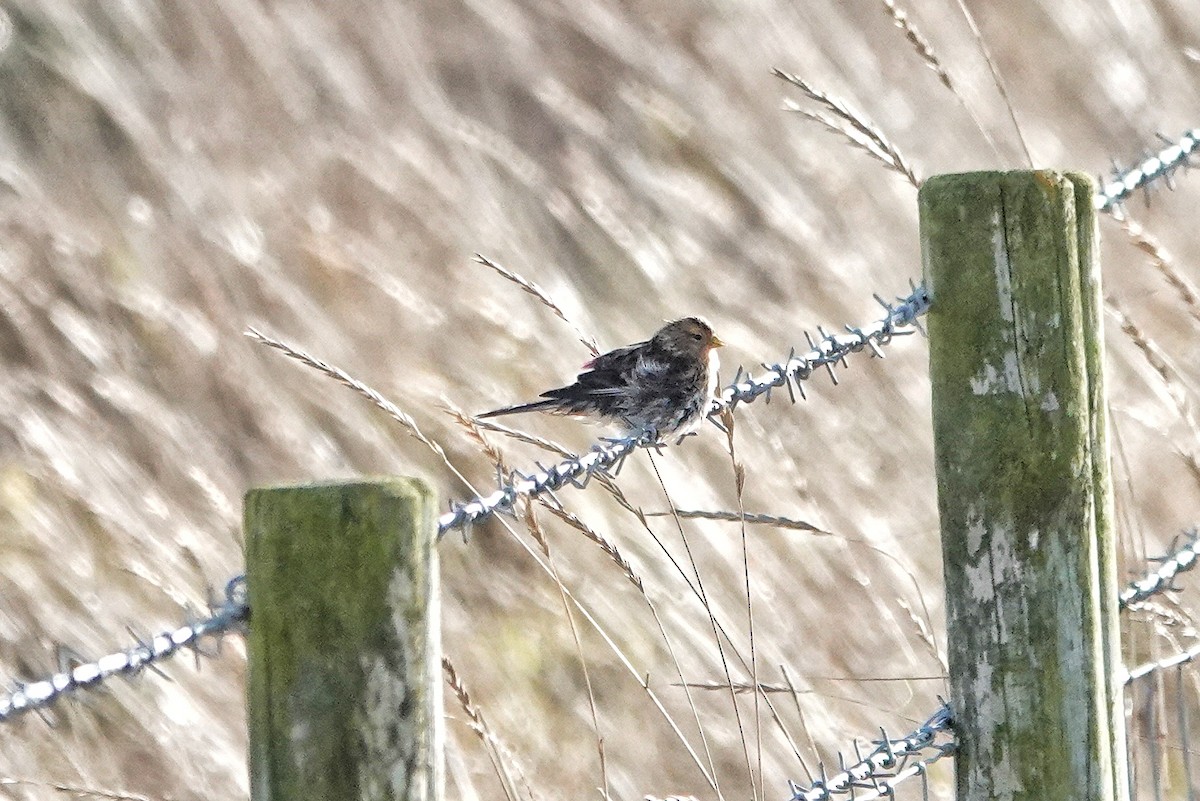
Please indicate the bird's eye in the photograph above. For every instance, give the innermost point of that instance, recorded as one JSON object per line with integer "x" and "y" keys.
{"x": 696, "y": 336}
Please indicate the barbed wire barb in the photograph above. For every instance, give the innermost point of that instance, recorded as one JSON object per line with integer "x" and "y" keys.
{"x": 889, "y": 763}
{"x": 1183, "y": 657}
{"x": 140, "y": 642}
{"x": 1181, "y": 559}
{"x": 1154, "y": 167}
{"x": 608, "y": 455}
{"x": 37, "y": 695}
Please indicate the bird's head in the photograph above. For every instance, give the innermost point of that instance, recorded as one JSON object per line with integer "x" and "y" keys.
{"x": 690, "y": 336}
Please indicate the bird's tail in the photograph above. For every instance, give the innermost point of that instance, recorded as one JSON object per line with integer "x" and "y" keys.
{"x": 536, "y": 406}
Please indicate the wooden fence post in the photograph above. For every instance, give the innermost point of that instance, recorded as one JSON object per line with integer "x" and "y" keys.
{"x": 1023, "y": 486}
{"x": 344, "y": 644}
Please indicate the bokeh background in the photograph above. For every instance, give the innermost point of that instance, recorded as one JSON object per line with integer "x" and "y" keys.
{"x": 173, "y": 172}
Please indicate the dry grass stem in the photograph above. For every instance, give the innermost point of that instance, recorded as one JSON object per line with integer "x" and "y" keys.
{"x": 606, "y": 546}
{"x": 1167, "y": 622}
{"x": 774, "y": 689}
{"x": 500, "y": 756}
{"x": 523, "y": 436}
{"x": 925, "y": 50}
{"x": 345, "y": 379}
{"x": 678, "y": 670}
{"x": 997, "y": 78}
{"x": 789, "y": 523}
{"x": 876, "y": 707}
{"x": 535, "y": 530}
{"x": 812, "y": 744}
{"x": 474, "y": 432}
{"x": 851, "y": 125}
{"x": 747, "y": 687}
{"x": 553, "y": 447}
{"x": 749, "y": 517}
{"x": 739, "y": 487}
{"x": 924, "y": 632}
{"x": 717, "y": 629}
{"x": 739, "y": 473}
{"x": 708, "y": 773}
{"x": 1151, "y": 352}
{"x": 927, "y": 623}
{"x": 919, "y": 43}
{"x": 641, "y": 517}
{"x": 640, "y": 677}
{"x": 76, "y": 791}
{"x": 1164, "y": 262}
{"x": 1172, "y": 383}
{"x": 539, "y": 293}
{"x": 539, "y": 536}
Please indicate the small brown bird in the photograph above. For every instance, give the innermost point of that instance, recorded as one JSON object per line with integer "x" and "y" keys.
{"x": 662, "y": 385}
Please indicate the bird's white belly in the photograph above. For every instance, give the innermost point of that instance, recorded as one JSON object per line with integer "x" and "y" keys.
{"x": 714, "y": 365}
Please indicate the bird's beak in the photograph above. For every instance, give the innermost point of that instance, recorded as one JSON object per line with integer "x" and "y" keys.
{"x": 715, "y": 342}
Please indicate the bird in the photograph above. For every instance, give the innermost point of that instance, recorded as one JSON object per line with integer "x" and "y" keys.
{"x": 660, "y": 387}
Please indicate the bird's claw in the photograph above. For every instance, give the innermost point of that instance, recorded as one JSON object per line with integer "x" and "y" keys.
{"x": 648, "y": 437}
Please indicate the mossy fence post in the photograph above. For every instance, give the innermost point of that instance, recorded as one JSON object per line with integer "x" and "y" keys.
{"x": 344, "y": 648}
{"x": 1024, "y": 496}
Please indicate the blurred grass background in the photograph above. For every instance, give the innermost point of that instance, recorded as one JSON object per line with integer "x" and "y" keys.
{"x": 173, "y": 172}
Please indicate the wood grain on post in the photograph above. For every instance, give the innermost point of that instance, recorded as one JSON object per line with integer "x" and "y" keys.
{"x": 344, "y": 649}
{"x": 1093, "y": 316}
{"x": 1023, "y": 487}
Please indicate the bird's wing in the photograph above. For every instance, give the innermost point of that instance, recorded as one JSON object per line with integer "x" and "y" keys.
{"x": 607, "y": 374}
{"x": 619, "y": 359}
{"x": 652, "y": 366}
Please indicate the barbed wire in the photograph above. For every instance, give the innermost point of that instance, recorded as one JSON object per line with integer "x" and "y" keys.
{"x": 1157, "y": 166}
{"x": 604, "y": 457}
{"x": 231, "y": 614}
{"x": 1189, "y": 654}
{"x": 1180, "y": 560}
{"x": 889, "y": 763}
{"x": 825, "y": 351}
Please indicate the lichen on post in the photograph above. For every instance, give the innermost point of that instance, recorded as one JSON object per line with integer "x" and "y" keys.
{"x": 1023, "y": 489}
{"x": 344, "y": 645}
